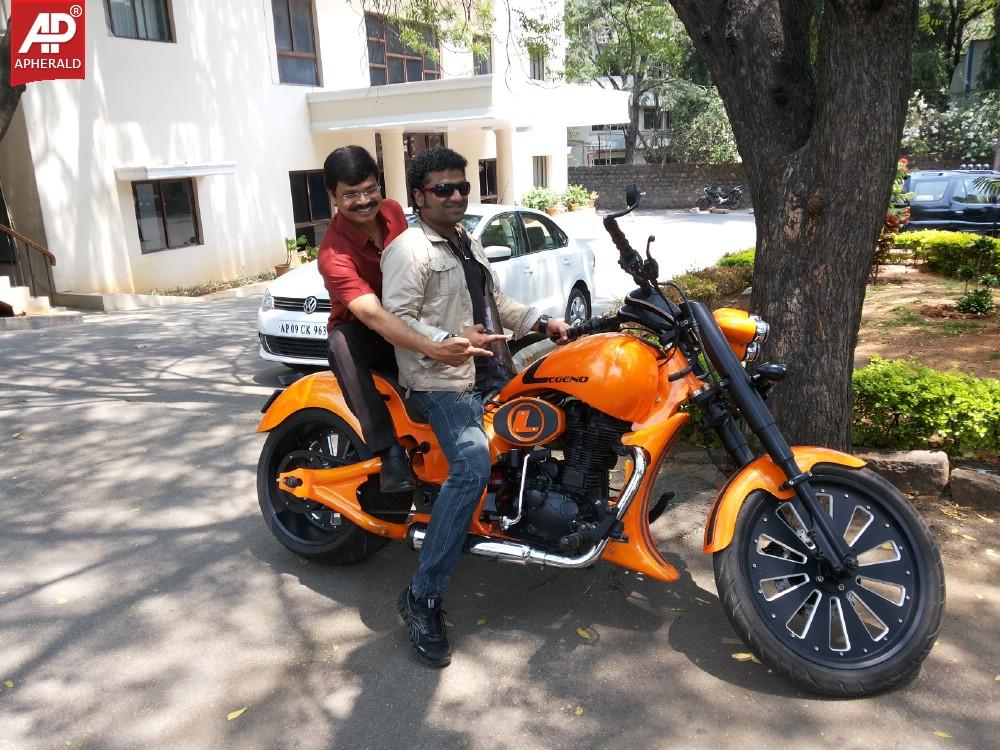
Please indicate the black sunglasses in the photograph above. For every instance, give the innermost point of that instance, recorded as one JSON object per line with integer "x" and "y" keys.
{"x": 447, "y": 189}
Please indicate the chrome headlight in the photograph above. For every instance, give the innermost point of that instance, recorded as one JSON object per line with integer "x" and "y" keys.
{"x": 753, "y": 348}
{"x": 268, "y": 303}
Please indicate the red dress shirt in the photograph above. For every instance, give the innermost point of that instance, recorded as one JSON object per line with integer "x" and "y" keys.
{"x": 349, "y": 260}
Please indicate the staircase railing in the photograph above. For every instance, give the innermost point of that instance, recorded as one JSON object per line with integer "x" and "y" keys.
{"x": 37, "y": 289}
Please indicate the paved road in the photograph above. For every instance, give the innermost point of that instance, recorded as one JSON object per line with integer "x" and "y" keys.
{"x": 684, "y": 242}
{"x": 142, "y": 600}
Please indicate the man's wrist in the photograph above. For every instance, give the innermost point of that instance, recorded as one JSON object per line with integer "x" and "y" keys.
{"x": 543, "y": 323}
{"x": 438, "y": 338}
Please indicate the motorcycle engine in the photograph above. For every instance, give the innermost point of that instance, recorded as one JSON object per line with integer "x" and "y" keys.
{"x": 563, "y": 499}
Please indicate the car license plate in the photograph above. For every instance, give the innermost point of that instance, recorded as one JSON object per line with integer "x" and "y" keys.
{"x": 308, "y": 330}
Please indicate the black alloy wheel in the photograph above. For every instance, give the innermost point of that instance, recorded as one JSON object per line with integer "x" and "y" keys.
{"x": 318, "y": 439}
{"x": 853, "y": 634}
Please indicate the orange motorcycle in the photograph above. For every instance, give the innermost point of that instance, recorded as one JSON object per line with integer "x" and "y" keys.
{"x": 825, "y": 570}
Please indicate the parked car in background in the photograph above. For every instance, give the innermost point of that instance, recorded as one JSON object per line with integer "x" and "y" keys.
{"x": 535, "y": 260}
{"x": 952, "y": 199}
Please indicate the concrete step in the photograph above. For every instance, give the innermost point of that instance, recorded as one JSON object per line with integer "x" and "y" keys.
{"x": 4, "y": 283}
{"x": 53, "y": 318}
{"x": 37, "y": 306}
{"x": 17, "y": 297}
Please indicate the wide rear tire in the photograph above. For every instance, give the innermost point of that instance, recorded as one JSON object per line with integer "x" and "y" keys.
{"x": 857, "y": 635}
{"x": 316, "y": 438}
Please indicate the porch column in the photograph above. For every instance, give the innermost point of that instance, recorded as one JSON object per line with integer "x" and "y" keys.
{"x": 506, "y": 189}
{"x": 394, "y": 165}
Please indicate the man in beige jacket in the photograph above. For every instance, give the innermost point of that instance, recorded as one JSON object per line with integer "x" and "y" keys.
{"x": 438, "y": 280}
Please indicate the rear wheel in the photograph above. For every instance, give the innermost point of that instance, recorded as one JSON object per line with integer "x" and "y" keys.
{"x": 849, "y": 635}
{"x": 733, "y": 201}
{"x": 318, "y": 439}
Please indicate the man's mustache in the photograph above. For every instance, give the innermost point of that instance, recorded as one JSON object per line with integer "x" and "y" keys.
{"x": 365, "y": 207}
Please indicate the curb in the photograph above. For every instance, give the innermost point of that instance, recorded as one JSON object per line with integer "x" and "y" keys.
{"x": 48, "y": 320}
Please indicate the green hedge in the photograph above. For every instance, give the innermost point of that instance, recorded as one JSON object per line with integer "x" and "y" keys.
{"x": 946, "y": 252}
{"x": 742, "y": 258}
{"x": 903, "y": 405}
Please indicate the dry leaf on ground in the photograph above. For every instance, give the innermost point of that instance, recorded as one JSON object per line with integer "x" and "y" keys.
{"x": 583, "y": 633}
{"x": 236, "y": 714}
{"x": 579, "y": 711}
{"x": 943, "y": 735}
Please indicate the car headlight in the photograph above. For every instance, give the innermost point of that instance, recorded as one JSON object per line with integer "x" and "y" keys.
{"x": 268, "y": 303}
{"x": 753, "y": 348}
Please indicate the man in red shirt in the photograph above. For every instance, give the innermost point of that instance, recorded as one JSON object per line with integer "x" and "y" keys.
{"x": 360, "y": 331}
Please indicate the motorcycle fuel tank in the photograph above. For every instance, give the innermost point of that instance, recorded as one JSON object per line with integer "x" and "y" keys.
{"x": 612, "y": 372}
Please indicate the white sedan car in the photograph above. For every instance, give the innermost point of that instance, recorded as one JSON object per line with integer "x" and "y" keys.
{"x": 536, "y": 262}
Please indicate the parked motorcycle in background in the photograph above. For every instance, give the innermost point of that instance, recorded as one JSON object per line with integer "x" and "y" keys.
{"x": 716, "y": 196}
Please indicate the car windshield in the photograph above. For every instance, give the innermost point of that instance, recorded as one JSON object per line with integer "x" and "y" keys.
{"x": 927, "y": 190}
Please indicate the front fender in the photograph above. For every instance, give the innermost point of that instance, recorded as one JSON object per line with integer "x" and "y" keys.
{"x": 764, "y": 475}
{"x": 320, "y": 390}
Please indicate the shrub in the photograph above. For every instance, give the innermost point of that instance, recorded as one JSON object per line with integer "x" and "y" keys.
{"x": 948, "y": 252}
{"x": 978, "y": 301}
{"x": 742, "y": 258}
{"x": 903, "y": 405}
{"x": 576, "y": 195}
{"x": 541, "y": 199}
{"x": 710, "y": 285}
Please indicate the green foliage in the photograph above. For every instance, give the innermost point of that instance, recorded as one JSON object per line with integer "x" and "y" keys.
{"x": 300, "y": 245}
{"x": 713, "y": 284}
{"x": 950, "y": 252}
{"x": 965, "y": 133}
{"x": 700, "y": 130}
{"x": 742, "y": 258}
{"x": 903, "y": 405}
{"x": 575, "y": 195}
{"x": 978, "y": 301}
{"x": 541, "y": 199}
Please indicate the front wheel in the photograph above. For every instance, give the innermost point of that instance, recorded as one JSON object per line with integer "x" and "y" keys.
{"x": 319, "y": 439}
{"x": 578, "y": 307}
{"x": 703, "y": 203}
{"x": 847, "y": 636}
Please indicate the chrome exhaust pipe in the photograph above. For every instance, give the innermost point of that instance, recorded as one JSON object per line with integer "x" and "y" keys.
{"x": 525, "y": 553}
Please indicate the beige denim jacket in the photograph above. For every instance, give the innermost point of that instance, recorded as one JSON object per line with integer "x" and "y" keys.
{"x": 424, "y": 284}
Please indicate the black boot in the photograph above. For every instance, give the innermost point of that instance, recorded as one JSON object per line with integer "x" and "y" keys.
{"x": 395, "y": 475}
{"x": 425, "y": 620}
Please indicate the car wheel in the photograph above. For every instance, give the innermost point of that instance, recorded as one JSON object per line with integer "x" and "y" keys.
{"x": 578, "y": 306}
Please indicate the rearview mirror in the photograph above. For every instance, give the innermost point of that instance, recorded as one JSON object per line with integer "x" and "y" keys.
{"x": 631, "y": 194}
{"x": 496, "y": 253}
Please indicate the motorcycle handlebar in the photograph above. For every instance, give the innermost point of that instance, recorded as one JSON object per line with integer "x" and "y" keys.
{"x": 627, "y": 254}
{"x": 594, "y": 325}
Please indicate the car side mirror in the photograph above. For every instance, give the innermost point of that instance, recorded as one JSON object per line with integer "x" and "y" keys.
{"x": 495, "y": 253}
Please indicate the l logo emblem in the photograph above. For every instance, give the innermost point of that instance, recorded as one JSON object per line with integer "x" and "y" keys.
{"x": 309, "y": 306}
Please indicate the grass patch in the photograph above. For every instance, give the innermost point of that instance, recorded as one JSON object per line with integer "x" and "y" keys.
{"x": 200, "y": 290}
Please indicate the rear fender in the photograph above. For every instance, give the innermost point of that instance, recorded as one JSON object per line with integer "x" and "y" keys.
{"x": 319, "y": 391}
{"x": 764, "y": 475}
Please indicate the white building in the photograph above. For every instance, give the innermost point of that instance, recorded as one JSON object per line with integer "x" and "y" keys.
{"x": 195, "y": 144}
{"x": 603, "y": 144}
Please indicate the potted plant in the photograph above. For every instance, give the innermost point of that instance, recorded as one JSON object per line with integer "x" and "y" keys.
{"x": 575, "y": 197}
{"x": 541, "y": 199}
{"x": 292, "y": 247}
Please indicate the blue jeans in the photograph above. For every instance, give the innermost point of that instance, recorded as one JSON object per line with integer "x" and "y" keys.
{"x": 457, "y": 421}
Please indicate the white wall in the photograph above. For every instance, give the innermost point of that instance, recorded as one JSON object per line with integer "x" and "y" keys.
{"x": 211, "y": 96}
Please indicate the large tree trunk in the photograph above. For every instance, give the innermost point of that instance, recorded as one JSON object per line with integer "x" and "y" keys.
{"x": 819, "y": 143}
{"x": 632, "y": 131}
{"x": 9, "y": 97}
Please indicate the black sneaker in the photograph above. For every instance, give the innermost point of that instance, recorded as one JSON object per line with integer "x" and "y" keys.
{"x": 425, "y": 621}
{"x": 395, "y": 475}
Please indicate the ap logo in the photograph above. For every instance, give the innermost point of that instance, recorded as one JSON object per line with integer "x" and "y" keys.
{"x": 50, "y": 30}
{"x": 47, "y": 40}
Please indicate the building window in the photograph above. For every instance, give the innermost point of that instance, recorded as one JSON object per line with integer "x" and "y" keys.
{"x": 140, "y": 19}
{"x": 310, "y": 204}
{"x": 166, "y": 213}
{"x": 537, "y": 61}
{"x": 392, "y": 60}
{"x": 606, "y": 162}
{"x": 295, "y": 41}
{"x": 482, "y": 59}
{"x": 540, "y": 171}
{"x": 487, "y": 180}
{"x": 621, "y": 126}
{"x": 651, "y": 118}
